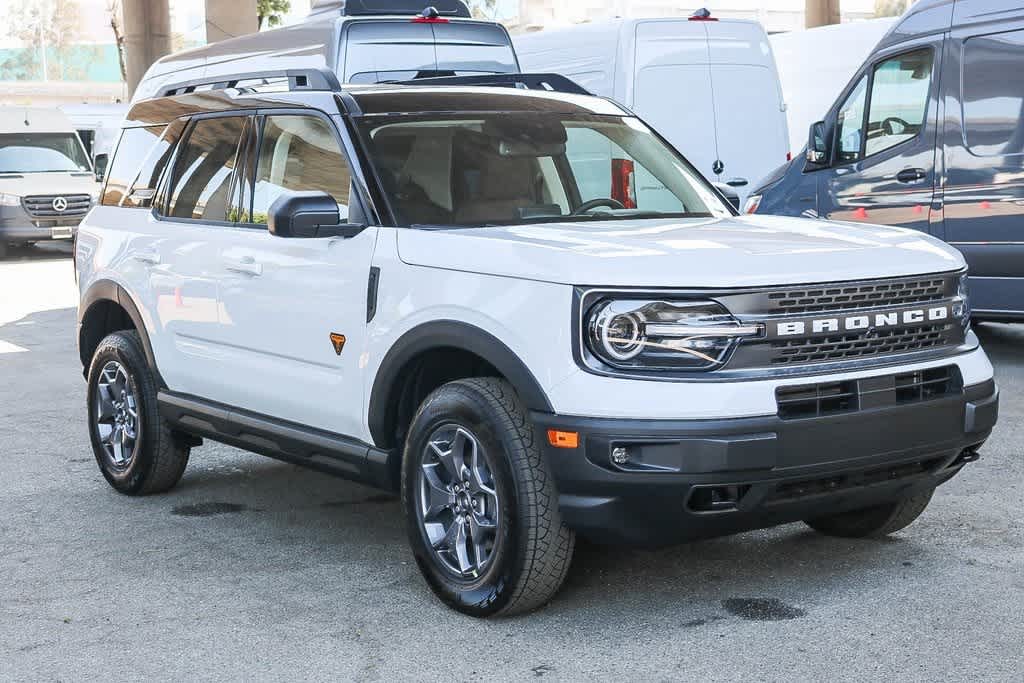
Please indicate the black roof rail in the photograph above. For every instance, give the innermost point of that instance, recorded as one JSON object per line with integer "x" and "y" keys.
{"x": 298, "y": 79}
{"x": 549, "y": 82}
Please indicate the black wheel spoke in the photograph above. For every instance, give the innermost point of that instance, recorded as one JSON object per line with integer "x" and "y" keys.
{"x": 117, "y": 415}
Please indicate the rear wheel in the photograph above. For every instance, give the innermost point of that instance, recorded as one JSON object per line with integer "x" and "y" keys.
{"x": 480, "y": 502}
{"x": 873, "y": 522}
{"x": 135, "y": 449}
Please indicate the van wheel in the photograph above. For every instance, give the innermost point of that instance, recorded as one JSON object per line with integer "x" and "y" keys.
{"x": 136, "y": 450}
{"x": 873, "y": 522}
{"x": 480, "y": 502}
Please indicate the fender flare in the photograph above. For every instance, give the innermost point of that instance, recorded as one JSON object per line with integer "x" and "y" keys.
{"x": 108, "y": 290}
{"x": 450, "y": 334}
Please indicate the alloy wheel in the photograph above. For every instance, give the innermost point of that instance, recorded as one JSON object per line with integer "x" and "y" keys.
{"x": 458, "y": 509}
{"x": 117, "y": 415}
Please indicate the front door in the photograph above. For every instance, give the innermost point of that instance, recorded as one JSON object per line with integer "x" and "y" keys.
{"x": 285, "y": 301}
{"x": 883, "y": 163}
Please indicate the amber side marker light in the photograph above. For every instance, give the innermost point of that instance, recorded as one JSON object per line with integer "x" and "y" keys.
{"x": 560, "y": 439}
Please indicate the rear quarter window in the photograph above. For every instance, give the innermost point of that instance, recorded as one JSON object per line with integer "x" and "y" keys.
{"x": 993, "y": 94}
{"x": 133, "y": 148}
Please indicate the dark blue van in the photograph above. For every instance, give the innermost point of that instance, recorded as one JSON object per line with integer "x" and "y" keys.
{"x": 929, "y": 135}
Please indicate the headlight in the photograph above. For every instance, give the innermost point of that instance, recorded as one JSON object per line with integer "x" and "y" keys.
{"x": 752, "y": 203}
{"x": 962, "y": 303}
{"x": 652, "y": 334}
{"x": 9, "y": 199}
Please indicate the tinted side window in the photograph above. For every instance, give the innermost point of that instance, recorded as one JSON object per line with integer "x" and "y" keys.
{"x": 204, "y": 169}
{"x": 993, "y": 94}
{"x": 143, "y": 190}
{"x": 899, "y": 100}
{"x": 133, "y": 148}
{"x": 299, "y": 153}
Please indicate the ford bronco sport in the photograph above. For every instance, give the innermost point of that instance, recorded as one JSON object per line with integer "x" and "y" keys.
{"x": 522, "y": 309}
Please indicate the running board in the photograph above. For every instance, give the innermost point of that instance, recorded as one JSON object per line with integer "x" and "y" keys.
{"x": 279, "y": 439}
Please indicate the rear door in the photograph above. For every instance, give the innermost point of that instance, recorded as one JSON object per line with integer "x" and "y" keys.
{"x": 750, "y": 120}
{"x": 984, "y": 157}
{"x": 673, "y": 91}
{"x": 883, "y": 166}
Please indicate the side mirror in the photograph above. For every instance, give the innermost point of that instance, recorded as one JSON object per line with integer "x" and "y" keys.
{"x": 729, "y": 193}
{"x": 817, "y": 148}
{"x": 308, "y": 214}
{"x": 100, "y": 166}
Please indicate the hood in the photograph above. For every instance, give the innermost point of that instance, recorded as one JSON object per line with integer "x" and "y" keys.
{"x": 746, "y": 251}
{"x": 25, "y": 184}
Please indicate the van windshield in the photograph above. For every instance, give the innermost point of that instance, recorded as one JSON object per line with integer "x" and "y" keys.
{"x": 41, "y": 153}
{"x": 514, "y": 168}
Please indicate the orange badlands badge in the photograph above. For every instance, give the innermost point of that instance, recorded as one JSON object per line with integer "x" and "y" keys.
{"x": 338, "y": 341}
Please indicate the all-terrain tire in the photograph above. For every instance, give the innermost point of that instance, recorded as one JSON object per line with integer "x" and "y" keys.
{"x": 873, "y": 522}
{"x": 533, "y": 548}
{"x": 159, "y": 455}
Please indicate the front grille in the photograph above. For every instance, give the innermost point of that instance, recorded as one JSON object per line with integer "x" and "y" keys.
{"x": 842, "y": 347}
{"x": 41, "y": 205}
{"x": 868, "y": 300}
{"x": 833, "y": 398}
{"x": 854, "y": 297}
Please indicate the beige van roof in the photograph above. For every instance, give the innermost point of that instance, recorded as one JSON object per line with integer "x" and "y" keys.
{"x": 34, "y": 120}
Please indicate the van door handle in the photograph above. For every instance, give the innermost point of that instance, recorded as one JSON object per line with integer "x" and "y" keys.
{"x": 736, "y": 182}
{"x": 246, "y": 265}
{"x": 150, "y": 257}
{"x": 911, "y": 175}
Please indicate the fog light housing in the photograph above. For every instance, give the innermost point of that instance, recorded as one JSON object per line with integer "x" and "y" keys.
{"x": 620, "y": 455}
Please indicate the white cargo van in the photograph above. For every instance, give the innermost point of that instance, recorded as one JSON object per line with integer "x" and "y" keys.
{"x": 46, "y": 180}
{"x": 710, "y": 86}
{"x": 361, "y": 41}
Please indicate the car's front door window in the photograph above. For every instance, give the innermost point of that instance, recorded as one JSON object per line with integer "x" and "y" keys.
{"x": 299, "y": 153}
{"x": 899, "y": 100}
{"x": 849, "y": 122}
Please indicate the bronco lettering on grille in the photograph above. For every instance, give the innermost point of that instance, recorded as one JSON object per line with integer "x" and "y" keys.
{"x": 853, "y": 323}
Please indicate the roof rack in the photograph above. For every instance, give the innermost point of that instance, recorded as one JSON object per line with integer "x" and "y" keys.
{"x": 297, "y": 79}
{"x": 549, "y": 82}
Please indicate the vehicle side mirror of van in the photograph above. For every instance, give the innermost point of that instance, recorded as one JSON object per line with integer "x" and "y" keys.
{"x": 308, "y": 214}
{"x": 100, "y": 166}
{"x": 817, "y": 148}
{"x": 730, "y": 194}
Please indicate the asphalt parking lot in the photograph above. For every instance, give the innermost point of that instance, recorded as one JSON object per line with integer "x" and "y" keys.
{"x": 253, "y": 569}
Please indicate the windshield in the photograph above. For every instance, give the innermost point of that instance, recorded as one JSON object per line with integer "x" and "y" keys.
{"x": 41, "y": 153}
{"x": 513, "y": 168}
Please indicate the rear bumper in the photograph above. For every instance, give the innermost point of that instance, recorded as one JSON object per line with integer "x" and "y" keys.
{"x": 688, "y": 479}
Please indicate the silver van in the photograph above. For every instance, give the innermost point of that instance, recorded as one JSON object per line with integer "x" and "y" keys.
{"x": 361, "y": 41}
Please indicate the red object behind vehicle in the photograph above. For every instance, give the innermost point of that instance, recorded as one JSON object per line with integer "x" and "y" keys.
{"x": 622, "y": 183}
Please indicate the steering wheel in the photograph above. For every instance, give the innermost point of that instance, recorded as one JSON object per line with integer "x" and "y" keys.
{"x": 587, "y": 207}
{"x": 889, "y": 130}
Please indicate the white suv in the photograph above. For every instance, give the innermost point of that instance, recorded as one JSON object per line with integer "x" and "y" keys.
{"x": 522, "y": 309}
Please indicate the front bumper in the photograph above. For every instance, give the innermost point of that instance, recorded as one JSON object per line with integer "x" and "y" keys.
{"x": 689, "y": 479}
{"x": 18, "y": 227}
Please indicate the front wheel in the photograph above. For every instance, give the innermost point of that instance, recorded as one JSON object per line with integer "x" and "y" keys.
{"x": 480, "y": 502}
{"x": 873, "y": 522}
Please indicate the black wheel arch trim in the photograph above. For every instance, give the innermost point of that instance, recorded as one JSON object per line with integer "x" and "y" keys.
{"x": 107, "y": 290}
{"x": 447, "y": 334}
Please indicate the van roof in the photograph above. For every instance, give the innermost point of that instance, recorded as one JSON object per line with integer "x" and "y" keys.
{"x": 34, "y": 120}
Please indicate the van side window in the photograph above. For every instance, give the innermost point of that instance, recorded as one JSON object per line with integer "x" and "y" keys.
{"x": 204, "y": 169}
{"x": 299, "y": 153}
{"x": 143, "y": 191}
{"x": 133, "y": 148}
{"x": 993, "y": 94}
{"x": 899, "y": 100}
{"x": 849, "y": 122}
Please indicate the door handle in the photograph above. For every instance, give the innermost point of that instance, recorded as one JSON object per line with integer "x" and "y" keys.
{"x": 150, "y": 257}
{"x": 736, "y": 182}
{"x": 246, "y": 265}
{"x": 911, "y": 175}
